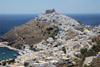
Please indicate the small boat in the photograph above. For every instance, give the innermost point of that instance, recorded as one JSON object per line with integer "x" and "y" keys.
{"x": 15, "y": 55}
{"x": 3, "y": 53}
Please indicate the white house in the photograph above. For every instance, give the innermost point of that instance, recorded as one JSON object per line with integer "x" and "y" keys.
{"x": 53, "y": 62}
{"x": 84, "y": 43}
{"x": 76, "y": 50}
{"x": 26, "y": 47}
{"x": 99, "y": 27}
{"x": 49, "y": 58}
{"x": 88, "y": 60}
{"x": 55, "y": 54}
{"x": 98, "y": 55}
{"x": 94, "y": 44}
{"x": 59, "y": 47}
{"x": 78, "y": 53}
{"x": 90, "y": 48}
{"x": 89, "y": 41}
{"x": 42, "y": 64}
{"x": 75, "y": 44}
{"x": 50, "y": 40}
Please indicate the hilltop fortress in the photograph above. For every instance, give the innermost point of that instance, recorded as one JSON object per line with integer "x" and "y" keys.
{"x": 49, "y": 11}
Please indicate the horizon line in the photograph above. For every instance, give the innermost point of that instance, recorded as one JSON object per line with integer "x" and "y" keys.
{"x": 44, "y": 13}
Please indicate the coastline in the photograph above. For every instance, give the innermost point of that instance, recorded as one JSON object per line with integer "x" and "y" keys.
{"x": 11, "y": 48}
{"x": 0, "y": 35}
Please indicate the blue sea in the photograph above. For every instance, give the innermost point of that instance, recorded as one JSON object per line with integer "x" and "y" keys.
{"x": 6, "y": 53}
{"x": 87, "y": 19}
{"x": 8, "y": 21}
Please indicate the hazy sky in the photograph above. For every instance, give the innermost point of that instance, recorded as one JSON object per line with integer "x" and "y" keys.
{"x": 39, "y": 6}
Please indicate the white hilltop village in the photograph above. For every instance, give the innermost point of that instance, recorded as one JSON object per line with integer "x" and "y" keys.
{"x": 71, "y": 37}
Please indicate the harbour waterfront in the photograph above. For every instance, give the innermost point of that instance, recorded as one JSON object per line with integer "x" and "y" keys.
{"x": 6, "y": 53}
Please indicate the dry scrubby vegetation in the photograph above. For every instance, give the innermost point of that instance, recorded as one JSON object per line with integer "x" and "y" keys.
{"x": 94, "y": 51}
{"x": 85, "y": 53}
{"x": 70, "y": 34}
{"x": 32, "y": 32}
{"x": 8, "y": 62}
{"x": 78, "y": 63}
{"x": 96, "y": 62}
{"x": 96, "y": 39}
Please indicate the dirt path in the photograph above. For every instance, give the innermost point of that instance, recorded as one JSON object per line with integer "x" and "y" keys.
{"x": 19, "y": 36}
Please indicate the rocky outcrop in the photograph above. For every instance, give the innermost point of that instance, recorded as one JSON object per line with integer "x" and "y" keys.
{"x": 50, "y": 11}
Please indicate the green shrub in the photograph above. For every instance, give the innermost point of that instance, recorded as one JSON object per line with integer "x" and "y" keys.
{"x": 75, "y": 55}
{"x": 63, "y": 49}
{"x": 49, "y": 28}
{"x": 18, "y": 46}
{"x": 83, "y": 51}
{"x": 96, "y": 39}
{"x": 37, "y": 61}
{"x": 54, "y": 33}
{"x": 68, "y": 56}
{"x": 56, "y": 46}
{"x": 11, "y": 61}
{"x": 48, "y": 32}
{"x": 31, "y": 47}
{"x": 26, "y": 63}
{"x": 86, "y": 65}
{"x": 93, "y": 52}
{"x": 0, "y": 63}
{"x": 4, "y": 63}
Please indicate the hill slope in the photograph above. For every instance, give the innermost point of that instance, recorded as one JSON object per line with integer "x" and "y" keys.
{"x": 31, "y": 32}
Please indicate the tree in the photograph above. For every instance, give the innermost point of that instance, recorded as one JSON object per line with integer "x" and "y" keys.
{"x": 31, "y": 47}
{"x": 11, "y": 61}
{"x": 86, "y": 65}
{"x": 4, "y": 63}
{"x": 48, "y": 32}
{"x": 96, "y": 39}
{"x": 26, "y": 63}
{"x": 63, "y": 49}
{"x": 83, "y": 51}
{"x": 49, "y": 28}
{"x": 37, "y": 61}
{"x": 93, "y": 52}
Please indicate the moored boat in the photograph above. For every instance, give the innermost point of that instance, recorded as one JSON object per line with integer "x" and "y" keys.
{"x": 3, "y": 53}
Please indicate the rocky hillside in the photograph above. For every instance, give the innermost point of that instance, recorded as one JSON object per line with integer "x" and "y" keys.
{"x": 42, "y": 27}
{"x": 31, "y": 32}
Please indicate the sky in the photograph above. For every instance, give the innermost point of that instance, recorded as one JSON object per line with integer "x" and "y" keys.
{"x": 40, "y": 6}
